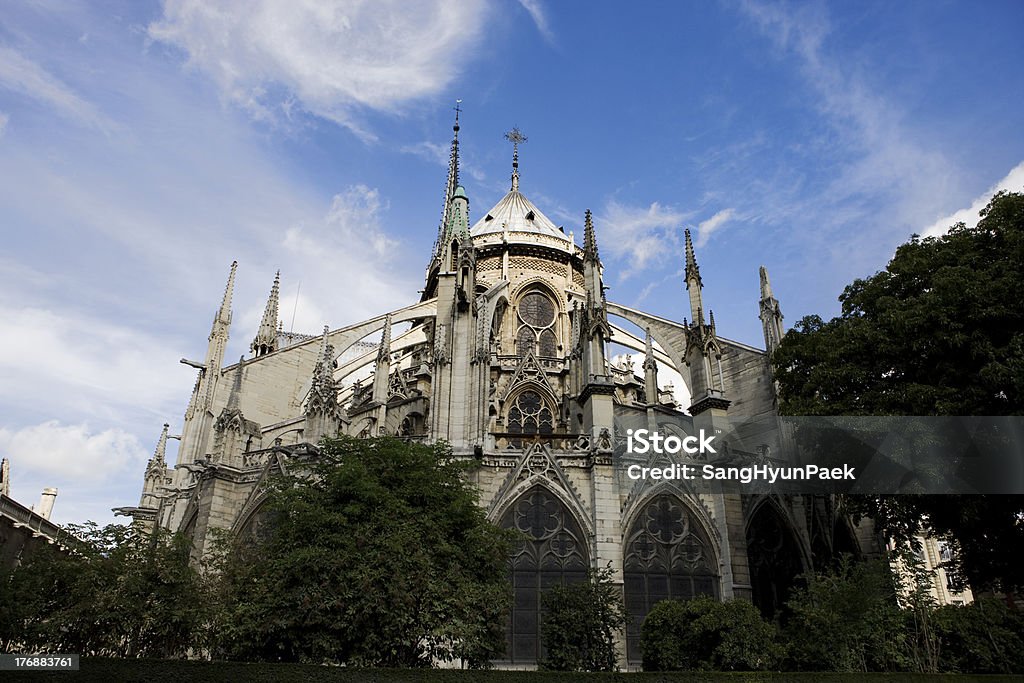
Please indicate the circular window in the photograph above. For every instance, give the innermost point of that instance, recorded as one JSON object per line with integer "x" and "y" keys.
{"x": 536, "y": 323}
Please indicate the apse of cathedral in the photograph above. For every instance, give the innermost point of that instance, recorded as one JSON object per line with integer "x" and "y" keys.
{"x": 505, "y": 356}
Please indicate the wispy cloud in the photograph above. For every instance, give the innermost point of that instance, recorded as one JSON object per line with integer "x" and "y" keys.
{"x": 540, "y": 19}
{"x": 1013, "y": 182}
{"x": 334, "y": 58}
{"x": 706, "y": 228}
{"x": 20, "y": 74}
{"x": 640, "y": 235}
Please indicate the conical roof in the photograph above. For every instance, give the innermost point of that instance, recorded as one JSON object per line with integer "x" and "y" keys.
{"x": 516, "y": 213}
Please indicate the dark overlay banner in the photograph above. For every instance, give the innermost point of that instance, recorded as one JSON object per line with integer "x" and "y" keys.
{"x": 807, "y": 455}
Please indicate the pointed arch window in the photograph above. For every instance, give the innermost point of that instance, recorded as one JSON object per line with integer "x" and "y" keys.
{"x": 530, "y": 415}
{"x": 536, "y": 331}
{"x": 667, "y": 555}
{"x": 552, "y": 551}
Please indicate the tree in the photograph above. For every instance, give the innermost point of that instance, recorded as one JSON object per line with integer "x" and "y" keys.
{"x": 939, "y": 332}
{"x": 847, "y": 620}
{"x": 707, "y": 635}
{"x": 580, "y": 623}
{"x": 378, "y": 556}
{"x": 116, "y": 591}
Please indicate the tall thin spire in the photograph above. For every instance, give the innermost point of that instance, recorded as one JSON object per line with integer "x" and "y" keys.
{"x": 771, "y": 314}
{"x": 384, "y": 352}
{"x": 450, "y": 184}
{"x": 160, "y": 454}
{"x": 266, "y": 337}
{"x": 692, "y": 271}
{"x": 766, "y": 284}
{"x": 224, "y": 312}
{"x": 516, "y": 137}
{"x": 589, "y": 238}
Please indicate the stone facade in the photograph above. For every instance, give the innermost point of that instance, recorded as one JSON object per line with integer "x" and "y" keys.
{"x": 505, "y": 356}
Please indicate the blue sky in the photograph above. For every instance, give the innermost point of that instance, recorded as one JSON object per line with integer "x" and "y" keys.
{"x": 146, "y": 145}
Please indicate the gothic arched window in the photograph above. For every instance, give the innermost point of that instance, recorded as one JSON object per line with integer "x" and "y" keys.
{"x": 529, "y": 415}
{"x": 536, "y": 326}
{"x": 553, "y": 551}
{"x": 773, "y": 557}
{"x": 667, "y": 555}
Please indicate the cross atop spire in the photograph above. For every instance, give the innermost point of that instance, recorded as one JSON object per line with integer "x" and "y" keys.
{"x": 516, "y": 137}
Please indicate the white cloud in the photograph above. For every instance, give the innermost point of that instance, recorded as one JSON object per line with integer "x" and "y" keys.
{"x": 642, "y": 235}
{"x": 22, "y": 75}
{"x": 332, "y": 57}
{"x": 431, "y": 151}
{"x": 706, "y": 228}
{"x": 1013, "y": 182}
{"x": 540, "y": 19}
{"x": 66, "y": 453}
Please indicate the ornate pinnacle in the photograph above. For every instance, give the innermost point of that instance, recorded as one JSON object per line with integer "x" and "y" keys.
{"x": 160, "y": 453}
{"x": 589, "y": 238}
{"x": 692, "y": 271}
{"x": 451, "y": 184}
{"x": 516, "y": 137}
{"x": 266, "y": 337}
{"x": 384, "y": 352}
{"x": 224, "y": 313}
{"x": 649, "y": 361}
{"x": 766, "y": 285}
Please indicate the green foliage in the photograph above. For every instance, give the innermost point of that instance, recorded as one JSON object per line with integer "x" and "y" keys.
{"x": 984, "y": 637}
{"x": 708, "y": 635}
{"x": 848, "y": 621}
{"x": 939, "y": 332}
{"x": 120, "y": 592}
{"x": 580, "y": 623}
{"x": 380, "y": 556}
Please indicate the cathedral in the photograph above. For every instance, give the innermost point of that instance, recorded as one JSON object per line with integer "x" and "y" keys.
{"x": 506, "y": 355}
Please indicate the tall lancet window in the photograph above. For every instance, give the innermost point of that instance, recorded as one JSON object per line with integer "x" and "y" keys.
{"x": 536, "y": 326}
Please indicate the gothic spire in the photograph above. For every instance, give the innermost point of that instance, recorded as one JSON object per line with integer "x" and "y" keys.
{"x": 766, "y": 285}
{"x": 222, "y": 319}
{"x": 589, "y": 239}
{"x": 771, "y": 314}
{"x": 649, "y": 361}
{"x": 323, "y": 371}
{"x": 160, "y": 454}
{"x": 266, "y": 338}
{"x": 384, "y": 352}
{"x": 692, "y": 271}
{"x": 516, "y": 137}
{"x": 450, "y": 184}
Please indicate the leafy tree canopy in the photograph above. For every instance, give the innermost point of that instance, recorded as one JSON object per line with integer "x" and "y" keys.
{"x": 380, "y": 556}
{"x": 939, "y": 332}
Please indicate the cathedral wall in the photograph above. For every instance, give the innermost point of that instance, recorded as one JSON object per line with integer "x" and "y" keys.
{"x": 748, "y": 382}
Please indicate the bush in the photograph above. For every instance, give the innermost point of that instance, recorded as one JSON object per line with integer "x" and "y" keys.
{"x": 981, "y": 638}
{"x": 847, "y": 621}
{"x": 707, "y": 635}
{"x": 580, "y": 622}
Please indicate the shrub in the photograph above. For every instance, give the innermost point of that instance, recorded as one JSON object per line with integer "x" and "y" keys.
{"x": 580, "y": 622}
{"x": 981, "y": 638}
{"x": 708, "y": 635}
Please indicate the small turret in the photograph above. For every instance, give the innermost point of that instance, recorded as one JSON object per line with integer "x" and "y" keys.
{"x": 771, "y": 314}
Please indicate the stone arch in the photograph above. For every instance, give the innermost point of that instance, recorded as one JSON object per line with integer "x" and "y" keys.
{"x": 774, "y": 556}
{"x": 553, "y": 550}
{"x": 668, "y": 554}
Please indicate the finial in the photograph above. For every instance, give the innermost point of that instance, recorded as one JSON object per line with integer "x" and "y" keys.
{"x": 711, "y": 315}
{"x": 516, "y": 137}
{"x": 450, "y": 185}
{"x": 458, "y": 109}
{"x": 692, "y": 271}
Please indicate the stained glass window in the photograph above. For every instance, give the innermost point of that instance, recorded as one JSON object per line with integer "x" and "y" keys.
{"x": 536, "y": 326}
{"x": 667, "y": 555}
{"x": 530, "y": 414}
{"x": 553, "y": 552}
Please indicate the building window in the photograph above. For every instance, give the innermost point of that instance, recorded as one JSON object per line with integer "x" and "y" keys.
{"x": 552, "y": 552}
{"x": 667, "y": 555}
{"x": 536, "y": 326}
{"x": 529, "y": 415}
